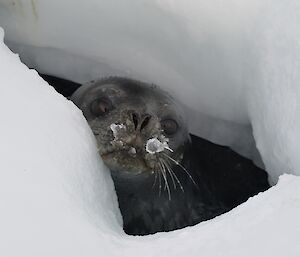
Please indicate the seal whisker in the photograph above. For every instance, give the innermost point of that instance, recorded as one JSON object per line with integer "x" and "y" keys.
{"x": 175, "y": 176}
{"x": 165, "y": 166}
{"x": 159, "y": 178}
{"x": 155, "y": 179}
{"x": 183, "y": 168}
{"x": 166, "y": 183}
{"x": 164, "y": 173}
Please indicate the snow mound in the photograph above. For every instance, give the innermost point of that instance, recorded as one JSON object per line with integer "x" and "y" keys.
{"x": 53, "y": 186}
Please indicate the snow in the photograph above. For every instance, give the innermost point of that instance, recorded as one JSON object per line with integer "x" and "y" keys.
{"x": 53, "y": 186}
{"x": 116, "y": 129}
{"x": 238, "y": 64}
{"x": 274, "y": 100}
{"x": 154, "y": 145}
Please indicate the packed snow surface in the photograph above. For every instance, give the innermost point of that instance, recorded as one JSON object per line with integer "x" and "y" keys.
{"x": 236, "y": 68}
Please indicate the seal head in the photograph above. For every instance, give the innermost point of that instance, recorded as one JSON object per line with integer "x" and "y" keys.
{"x": 139, "y": 128}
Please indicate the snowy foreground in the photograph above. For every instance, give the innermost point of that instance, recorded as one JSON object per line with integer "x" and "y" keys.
{"x": 239, "y": 64}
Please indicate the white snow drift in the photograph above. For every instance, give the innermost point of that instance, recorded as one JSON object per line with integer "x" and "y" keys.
{"x": 234, "y": 65}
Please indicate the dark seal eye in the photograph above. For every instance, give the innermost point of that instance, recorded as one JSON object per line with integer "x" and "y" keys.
{"x": 169, "y": 126}
{"x": 101, "y": 106}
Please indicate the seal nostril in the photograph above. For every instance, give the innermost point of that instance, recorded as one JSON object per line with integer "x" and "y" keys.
{"x": 145, "y": 121}
{"x": 135, "y": 120}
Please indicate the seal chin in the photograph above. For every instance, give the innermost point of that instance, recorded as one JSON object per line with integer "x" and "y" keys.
{"x": 121, "y": 162}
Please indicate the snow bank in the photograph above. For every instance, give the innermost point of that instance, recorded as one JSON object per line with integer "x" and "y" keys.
{"x": 274, "y": 92}
{"x": 53, "y": 187}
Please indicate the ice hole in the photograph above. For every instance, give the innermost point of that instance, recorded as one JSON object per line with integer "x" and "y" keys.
{"x": 237, "y": 136}
{"x": 55, "y": 64}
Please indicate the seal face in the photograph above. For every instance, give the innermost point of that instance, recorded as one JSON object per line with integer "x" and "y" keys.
{"x": 139, "y": 128}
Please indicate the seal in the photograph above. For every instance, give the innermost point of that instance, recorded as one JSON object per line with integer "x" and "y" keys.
{"x": 165, "y": 178}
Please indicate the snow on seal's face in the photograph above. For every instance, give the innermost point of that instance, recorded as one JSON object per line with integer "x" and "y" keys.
{"x": 139, "y": 128}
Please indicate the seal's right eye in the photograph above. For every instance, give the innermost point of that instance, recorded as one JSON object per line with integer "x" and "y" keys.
{"x": 101, "y": 106}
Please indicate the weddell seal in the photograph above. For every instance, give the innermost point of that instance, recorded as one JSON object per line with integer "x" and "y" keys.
{"x": 165, "y": 178}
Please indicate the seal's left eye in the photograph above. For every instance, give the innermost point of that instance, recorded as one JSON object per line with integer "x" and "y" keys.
{"x": 169, "y": 126}
{"x": 101, "y": 106}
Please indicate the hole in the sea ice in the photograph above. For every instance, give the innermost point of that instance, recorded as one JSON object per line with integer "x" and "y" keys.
{"x": 181, "y": 182}
{"x": 207, "y": 181}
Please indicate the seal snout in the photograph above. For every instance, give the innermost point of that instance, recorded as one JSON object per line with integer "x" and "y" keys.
{"x": 135, "y": 124}
{"x": 140, "y": 120}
